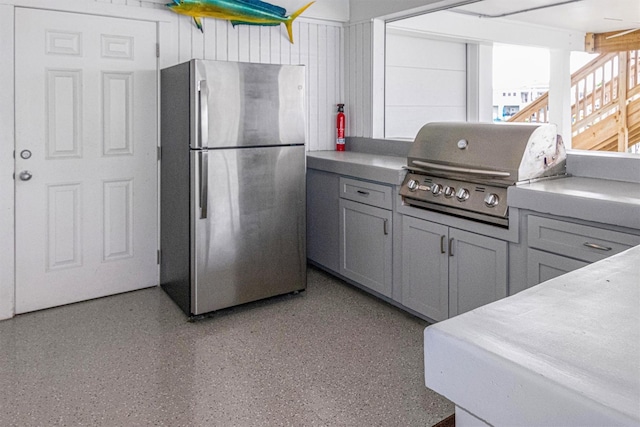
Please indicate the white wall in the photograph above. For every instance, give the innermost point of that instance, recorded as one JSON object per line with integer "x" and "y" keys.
{"x": 318, "y": 45}
{"x": 426, "y": 81}
{"x": 560, "y": 94}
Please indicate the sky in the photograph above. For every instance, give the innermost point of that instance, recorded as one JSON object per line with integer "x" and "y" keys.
{"x": 517, "y": 66}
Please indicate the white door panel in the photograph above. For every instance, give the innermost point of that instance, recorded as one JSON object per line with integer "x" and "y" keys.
{"x": 86, "y": 110}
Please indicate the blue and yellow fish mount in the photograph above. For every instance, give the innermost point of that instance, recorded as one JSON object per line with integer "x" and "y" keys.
{"x": 238, "y": 12}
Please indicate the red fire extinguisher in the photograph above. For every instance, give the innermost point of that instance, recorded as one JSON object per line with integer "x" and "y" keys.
{"x": 340, "y": 125}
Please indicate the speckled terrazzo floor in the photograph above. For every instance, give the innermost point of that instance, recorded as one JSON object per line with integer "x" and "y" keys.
{"x": 331, "y": 356}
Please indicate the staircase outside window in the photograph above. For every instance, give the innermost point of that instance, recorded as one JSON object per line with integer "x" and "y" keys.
{"x": 605, "y": 104}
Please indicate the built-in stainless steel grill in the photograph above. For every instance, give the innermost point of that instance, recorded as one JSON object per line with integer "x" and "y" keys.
{"x": 465, "y": 168}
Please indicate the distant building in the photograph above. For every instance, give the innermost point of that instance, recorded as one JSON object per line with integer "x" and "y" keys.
{"x": 508, "y": 101}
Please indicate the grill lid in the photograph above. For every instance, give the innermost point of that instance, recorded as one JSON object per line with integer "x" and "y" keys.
{"x": 497, "y": 153}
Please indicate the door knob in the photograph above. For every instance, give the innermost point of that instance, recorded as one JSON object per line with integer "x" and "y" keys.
{"x": 25, "y": 175}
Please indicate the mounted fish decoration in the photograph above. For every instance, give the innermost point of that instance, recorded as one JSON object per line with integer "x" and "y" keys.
{"x": 249, "y": 12}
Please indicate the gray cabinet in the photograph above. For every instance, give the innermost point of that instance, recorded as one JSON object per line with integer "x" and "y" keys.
{"x": 323, "y": 224}
{"x": 366, "y": 237}
{"x": 425, "y": 268}
{"x": 556, "y": 247}
{"x": 477, "y": 270}
{"x": 447, "y": 271}
{"x": 543, "y": 266}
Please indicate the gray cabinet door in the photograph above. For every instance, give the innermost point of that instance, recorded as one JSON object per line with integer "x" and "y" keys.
{"x": 425, "y": 268}
{"x": 477, "y": 270}
{"x": 323, "y": 219}
{"x": 543, "y": 266}
{"x": 366, "y": 245}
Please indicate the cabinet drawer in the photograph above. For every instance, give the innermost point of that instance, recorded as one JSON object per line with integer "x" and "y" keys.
{"x": 577, "y": 241}
{"x": 366, "y": 192}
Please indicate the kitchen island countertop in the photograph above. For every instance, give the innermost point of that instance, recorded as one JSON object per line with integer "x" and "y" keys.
{"x": 565, "y": 352}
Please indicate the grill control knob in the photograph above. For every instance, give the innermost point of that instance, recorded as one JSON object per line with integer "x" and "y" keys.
{"x": 449, "y": 192}
{"x": 491, "y": 200}
{"x": 462, "y": 194}
{"x": 412, "y": 184}
{"x": 436, "y": 189}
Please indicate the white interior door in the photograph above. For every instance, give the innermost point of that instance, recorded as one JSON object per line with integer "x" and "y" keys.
{"x": 86, "y": 168}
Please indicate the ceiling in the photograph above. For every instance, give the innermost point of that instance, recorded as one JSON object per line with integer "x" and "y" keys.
{"x": 589, "y": 16}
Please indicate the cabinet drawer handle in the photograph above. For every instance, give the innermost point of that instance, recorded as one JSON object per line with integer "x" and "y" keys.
{"x": 364, "y": 193}
{"x": 596, "y": 246}
{"x": 451, "y": 246}
{"x": 442, "y": 250}
{"x": 386, "y": 231}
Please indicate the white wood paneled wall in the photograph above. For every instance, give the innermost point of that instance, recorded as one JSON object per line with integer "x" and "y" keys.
{"x": 317, "y": 46}
{"x": 358, "y": 83}
{"x": 426, "y": 81}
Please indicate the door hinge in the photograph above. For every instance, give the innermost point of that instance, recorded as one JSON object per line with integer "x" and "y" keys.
{"x": 159, "y": 153}
{"x": 157, "y": 50}
{"x": 159, "y": 256}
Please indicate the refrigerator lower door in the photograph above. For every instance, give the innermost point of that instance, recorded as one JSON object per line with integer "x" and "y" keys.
{"x": 248, "y": 225}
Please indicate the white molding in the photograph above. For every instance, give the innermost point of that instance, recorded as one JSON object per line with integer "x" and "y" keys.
{"x": 485, "y": 82}
{"x": 365, "y": 10}
{"x": 318, "y": 21}
{"x": 479, "y": 82}
{"x": 378, "y": 58}
{"x": 469, "y": 28}
{"x": 7, "y": 165}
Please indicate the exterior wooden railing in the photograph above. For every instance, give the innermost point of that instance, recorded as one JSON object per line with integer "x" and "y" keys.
{"x": 605, "y": 103}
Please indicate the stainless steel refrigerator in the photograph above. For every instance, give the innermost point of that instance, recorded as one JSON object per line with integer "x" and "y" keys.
{"x": 232, "y": 210}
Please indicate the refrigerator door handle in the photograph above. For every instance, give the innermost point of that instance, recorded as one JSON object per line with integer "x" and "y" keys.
{"x": 204, "y": 179}
{"x": 204, "y": 113}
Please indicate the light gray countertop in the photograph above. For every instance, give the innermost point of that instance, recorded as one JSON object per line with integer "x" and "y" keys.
{"x": 373, "y": 167}
{"x": 590, "y": 199}
{"x": 565, "y": 352}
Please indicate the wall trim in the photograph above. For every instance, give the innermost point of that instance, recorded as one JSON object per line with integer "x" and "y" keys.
{"x": 7, "y": 165}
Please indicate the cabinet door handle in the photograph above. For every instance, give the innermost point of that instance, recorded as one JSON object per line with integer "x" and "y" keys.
{"x": 597, "y": 246}
{"x": 364, "y": 193}
{"x": 442, "y": 249}
{"x": 451, "y": 246}
{"x": 386, "y": 231}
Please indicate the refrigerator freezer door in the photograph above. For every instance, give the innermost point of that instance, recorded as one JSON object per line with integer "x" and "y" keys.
{"x": 249, "y": 104}
{"x": 251, "y": 245}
